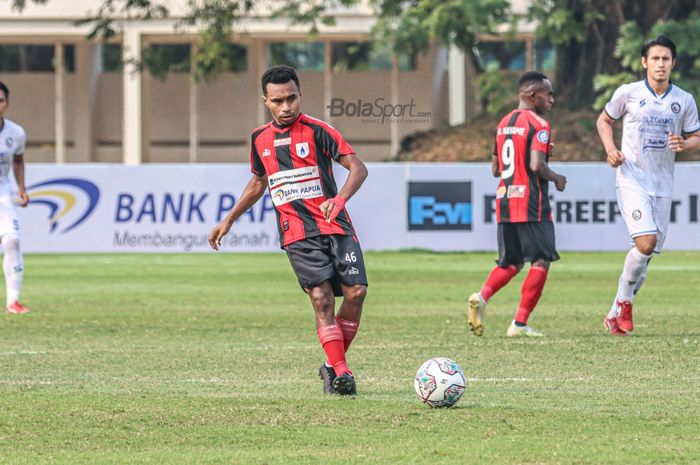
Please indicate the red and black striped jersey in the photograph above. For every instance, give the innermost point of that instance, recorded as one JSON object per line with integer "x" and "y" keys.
{"x": 297, "y": 160}
{"x": 521, "y": 196}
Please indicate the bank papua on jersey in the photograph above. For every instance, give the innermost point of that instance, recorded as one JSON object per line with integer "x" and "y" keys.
{"x": 298, "y": 161}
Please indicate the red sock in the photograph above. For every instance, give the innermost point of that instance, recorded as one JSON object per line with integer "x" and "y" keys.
{"x": 331, "y": 338}
{"x": 349, "y": 329}
{"x": 531, "y": 292}
{"x": 499, "y": 277}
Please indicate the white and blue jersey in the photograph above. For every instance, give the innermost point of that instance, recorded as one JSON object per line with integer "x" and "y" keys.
{"x": 648, "y": 119}
{"x": 12, "y": 143}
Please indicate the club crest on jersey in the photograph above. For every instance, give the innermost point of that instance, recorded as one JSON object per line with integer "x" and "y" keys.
{"x": 636, "y": 215}
{"x": 302, "y": 149}
{"x": 266, "y": 153}
{"x": 8, "y": 142}
{"x": 676, "y": 107}
{"x": 543, "y": 136}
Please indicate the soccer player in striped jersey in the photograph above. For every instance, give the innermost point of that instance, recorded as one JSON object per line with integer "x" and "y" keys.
{"x": 523, "y": 213}
{"x": 292, "y": 156}
{"x": 658, "y": 120}
{"x": 12, "y": 144}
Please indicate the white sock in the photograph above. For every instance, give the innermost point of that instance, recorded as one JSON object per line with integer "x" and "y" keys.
{"x": 13, "y": 266}
{"x": 635, "y": 266}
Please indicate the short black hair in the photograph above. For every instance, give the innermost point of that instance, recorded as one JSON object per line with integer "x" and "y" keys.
{"x": 661, "y": 41}
{"x": 4, "y": 88}
{"x": 280, "y": 74}
{"x": 529, "y": 78}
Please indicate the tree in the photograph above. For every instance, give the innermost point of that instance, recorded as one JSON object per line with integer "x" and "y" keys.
{"x": 586, "y": 33}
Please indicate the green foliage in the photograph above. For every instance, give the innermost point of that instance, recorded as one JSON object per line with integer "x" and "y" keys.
{"x": 414, "y": 25}
{"x": 561, "y": 23}
{"x": 498, "y": 88}
{"x": 686, "y": 35}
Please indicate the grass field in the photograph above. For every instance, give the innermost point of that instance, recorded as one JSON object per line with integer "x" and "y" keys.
{"x": 192, "y": 359}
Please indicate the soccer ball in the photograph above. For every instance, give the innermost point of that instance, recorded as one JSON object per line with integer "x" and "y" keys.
{"x": 440, "y": 382}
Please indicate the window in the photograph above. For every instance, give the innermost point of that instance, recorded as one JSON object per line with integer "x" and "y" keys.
{"x": 508, "y": 55}
{"x": 161, "y": 59}
{"x": 111, "y": 58}
{"x": 367, "y": 56}
{"x": 303, "y": 56}
{"x": 34, "y": 58}
{"x": 545, "y": 55}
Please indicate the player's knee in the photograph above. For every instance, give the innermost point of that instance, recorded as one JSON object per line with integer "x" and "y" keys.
{"x": 10, "y": 241}
{"x": 356, "y": 294}
{"x": 322, "y": 299}
{"x": 646, "y": 245}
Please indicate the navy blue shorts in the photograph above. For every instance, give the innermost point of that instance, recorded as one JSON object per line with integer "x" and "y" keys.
{"x": 526, "y": 242}
{"x": 334, "y": 258}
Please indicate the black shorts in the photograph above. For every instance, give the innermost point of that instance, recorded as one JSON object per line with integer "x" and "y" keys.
{"x": 526, "y": 242}
{"x": 334, "y": 258}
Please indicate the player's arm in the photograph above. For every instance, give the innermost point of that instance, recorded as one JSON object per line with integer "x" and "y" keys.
{"x": 18, "y": 170}
{"x": 251, "y": 194}
{"x": 539, "y": 166}
{"x": 358, "y": 173}
{"x": 495, "y": 166}
{"x": 605, "y": 132}
{"x": 686, "y": 142}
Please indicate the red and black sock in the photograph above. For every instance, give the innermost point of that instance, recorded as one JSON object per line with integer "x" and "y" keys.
{"x": 499, "y": 277}
{"x": 331, "y": 338}
{"x": 531, "y": 292}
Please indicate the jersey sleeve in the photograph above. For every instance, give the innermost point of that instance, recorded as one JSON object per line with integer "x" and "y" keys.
{"x": 333, "y": 143}
{"x": 690, "y": 118}
{"x": 617, "y": 105}
{"x": 540, "y": 142}
{"x": 256, "y": 164}
{"x": 21, "y": 142}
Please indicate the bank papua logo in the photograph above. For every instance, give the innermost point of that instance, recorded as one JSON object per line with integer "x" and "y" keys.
{"x": 70, "y": 201}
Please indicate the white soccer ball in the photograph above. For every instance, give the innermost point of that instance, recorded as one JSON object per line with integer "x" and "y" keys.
{"x": 440, "y": 382}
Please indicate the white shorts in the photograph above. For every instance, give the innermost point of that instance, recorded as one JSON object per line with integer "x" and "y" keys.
{"x": 645, "y": 214}
{"x": 9, "y": 221}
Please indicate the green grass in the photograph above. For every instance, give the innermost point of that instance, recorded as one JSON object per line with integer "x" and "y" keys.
{"x": 194, "y": 359}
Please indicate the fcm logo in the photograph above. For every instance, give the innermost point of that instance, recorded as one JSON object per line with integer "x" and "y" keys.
{"x": 439, "y": 206}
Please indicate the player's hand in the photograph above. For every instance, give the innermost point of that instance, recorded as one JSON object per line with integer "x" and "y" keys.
{"x": 331, "y": 208}
{"x": 217, "y": 233}
{"x": 23, "y": 198}
{"x": 560, "y": 183}
{"x": 615, "y": 158}
{"x": 676, "y": 142}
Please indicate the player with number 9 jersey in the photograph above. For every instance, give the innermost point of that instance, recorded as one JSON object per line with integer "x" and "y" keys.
{"x": 523, "y": 213}
{"x": 521, "y": 196}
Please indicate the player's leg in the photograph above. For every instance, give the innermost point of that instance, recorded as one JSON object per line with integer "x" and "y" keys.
{"x": 13, "y": 266}
{"x": 509, "y": 263}
{"x": 349, "y": 265}
{"x": 637, "y": 210}
{"x": 12, "y": 263}
{"x": 351, "y": 276}
{"x": 662, "y": 218}
{"x": 312, "y": 264}
{"x": 538, "y": 247}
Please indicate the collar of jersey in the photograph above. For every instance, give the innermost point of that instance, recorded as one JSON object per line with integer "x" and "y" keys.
{"x": 286, "y": 128}
{"x": 670, "y": 86}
